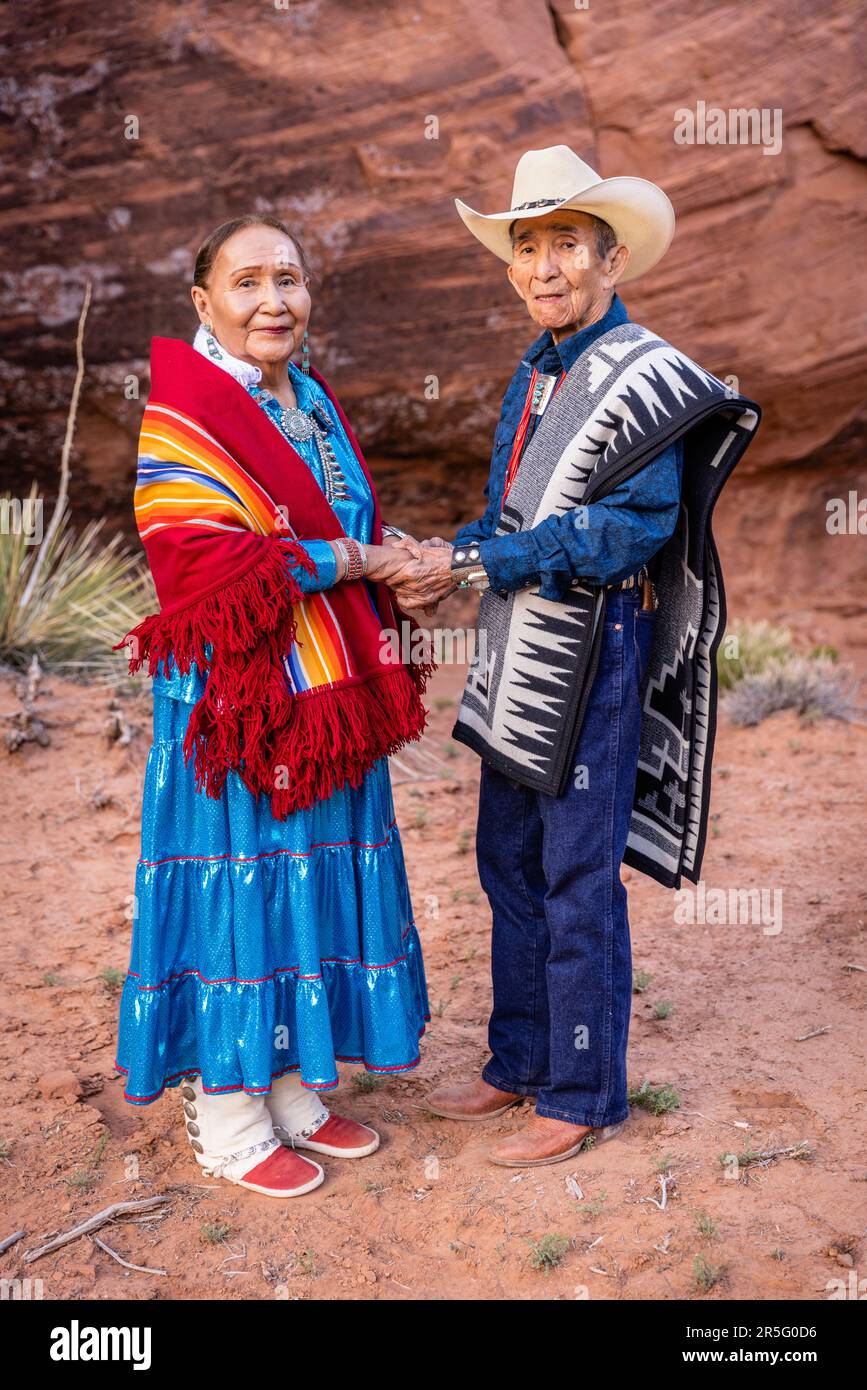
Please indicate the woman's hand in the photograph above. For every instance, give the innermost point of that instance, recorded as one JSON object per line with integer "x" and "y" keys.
{"x": 394, "y": 564}
{"x": 418, "y": 574}
{"x": 404, "y": 543}
{"x": 390, "y": 564}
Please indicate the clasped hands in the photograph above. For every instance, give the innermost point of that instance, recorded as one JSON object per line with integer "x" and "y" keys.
{"x": 419, "y": 573}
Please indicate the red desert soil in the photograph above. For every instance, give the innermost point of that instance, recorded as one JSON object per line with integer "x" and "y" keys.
{"x": 427, "y": 1216}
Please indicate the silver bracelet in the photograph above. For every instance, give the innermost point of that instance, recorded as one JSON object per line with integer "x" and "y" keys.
{"x": 361, "y": 551}
{"x": 355, "y": 556}
{"x": 341, "y": 550}
{"x": 468, "y": 571}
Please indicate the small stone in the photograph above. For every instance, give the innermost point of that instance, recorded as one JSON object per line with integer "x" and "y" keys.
{"x": 59, "y": 1085}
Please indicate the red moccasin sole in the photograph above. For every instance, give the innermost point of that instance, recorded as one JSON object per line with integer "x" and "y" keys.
{"x": 283, "y": 1174}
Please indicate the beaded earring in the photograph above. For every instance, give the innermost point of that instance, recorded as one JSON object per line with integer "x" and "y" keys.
{"x": 305, "y": 353}
{"x": 211, "y": 343}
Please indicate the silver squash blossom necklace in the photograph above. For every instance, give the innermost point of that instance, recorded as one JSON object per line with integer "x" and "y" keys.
{"x": 302, "y": 425}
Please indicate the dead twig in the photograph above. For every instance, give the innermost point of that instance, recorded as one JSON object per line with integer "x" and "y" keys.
{"x": 664, "y": 1180}
{"x": 93, "y": 1223}
{"x": 800, "y": 1150}
{"x": 816, "y": 1033}
{"x": 117, "y": 727}
{"x": 139, "y": 1269}
{"x": 34, "y": 676}
{"x": 10, "y": 1241}
{"x": 142, "y": 1220}
{"x": 63, "y": 488}
{"x": 235, "y": 1255}
{"x": 710, "y": 1119}
{"x": 28, "y": 727}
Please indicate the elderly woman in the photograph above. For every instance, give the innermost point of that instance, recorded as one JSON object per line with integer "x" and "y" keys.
{"x": 273, "y": 935}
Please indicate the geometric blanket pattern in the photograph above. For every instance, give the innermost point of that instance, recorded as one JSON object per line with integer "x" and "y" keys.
{"x": 624, "y": 400}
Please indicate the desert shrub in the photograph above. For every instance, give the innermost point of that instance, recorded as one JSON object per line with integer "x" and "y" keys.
{"x": 757, "y": 644}
{"x": 768, "y": 674}
{"x": 87, "y": 594}
{"x": 659, "y": 1100}
{"x": 815, "y": 688}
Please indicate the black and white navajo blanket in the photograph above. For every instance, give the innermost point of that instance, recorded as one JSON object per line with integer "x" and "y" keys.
{"x": 625, "y": 399}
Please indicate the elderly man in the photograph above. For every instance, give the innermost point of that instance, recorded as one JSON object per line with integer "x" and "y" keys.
{"x": 602, "y": 608}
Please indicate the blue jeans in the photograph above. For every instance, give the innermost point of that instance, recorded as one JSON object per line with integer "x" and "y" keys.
{"x": 560, "y": 953}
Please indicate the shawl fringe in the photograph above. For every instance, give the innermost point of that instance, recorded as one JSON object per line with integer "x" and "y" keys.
{"x": 295, "y": 749}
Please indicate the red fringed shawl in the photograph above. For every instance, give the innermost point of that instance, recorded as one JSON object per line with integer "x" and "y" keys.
{"x": 303, "y": 692}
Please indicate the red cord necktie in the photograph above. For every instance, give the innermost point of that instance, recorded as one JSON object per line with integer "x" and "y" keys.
{"x": 521, "y": 431}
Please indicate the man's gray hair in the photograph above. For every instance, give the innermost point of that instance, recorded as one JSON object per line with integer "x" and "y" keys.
{"x": 606, "y": 237}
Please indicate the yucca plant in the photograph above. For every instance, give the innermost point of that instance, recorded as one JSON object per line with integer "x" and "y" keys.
{"x": 86, "y": 595}
{"x": 70, "y": 597}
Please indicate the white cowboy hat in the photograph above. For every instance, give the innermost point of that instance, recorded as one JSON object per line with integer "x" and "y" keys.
{"x": 638, "y": 211}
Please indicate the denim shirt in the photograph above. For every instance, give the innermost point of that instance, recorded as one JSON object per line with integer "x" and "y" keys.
{"x": 623, "y": 531}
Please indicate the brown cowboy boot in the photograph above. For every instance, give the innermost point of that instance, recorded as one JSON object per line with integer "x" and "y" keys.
{"x": 543, "y": 1140}
{"x": 470, "y": 1100}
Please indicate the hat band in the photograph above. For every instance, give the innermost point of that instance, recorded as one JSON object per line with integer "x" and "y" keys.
{"x": 539, "y": 203}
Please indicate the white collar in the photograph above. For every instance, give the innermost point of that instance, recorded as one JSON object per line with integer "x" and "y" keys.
{"x": 244, "y": 372}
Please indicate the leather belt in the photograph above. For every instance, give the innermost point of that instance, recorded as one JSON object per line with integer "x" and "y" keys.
{"x": 642, "y": 579}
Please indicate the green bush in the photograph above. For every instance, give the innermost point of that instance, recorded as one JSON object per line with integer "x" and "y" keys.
{"x": 761, "y": 672}
{"x": 757, "y": 644}
{"x": 87, "y": 595}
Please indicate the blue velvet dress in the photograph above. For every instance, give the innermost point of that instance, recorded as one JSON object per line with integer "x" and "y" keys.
{"x": 259, "y": 946}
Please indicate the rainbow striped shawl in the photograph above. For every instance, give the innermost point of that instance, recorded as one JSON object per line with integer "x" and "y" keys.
{"x": 302, "y": 696}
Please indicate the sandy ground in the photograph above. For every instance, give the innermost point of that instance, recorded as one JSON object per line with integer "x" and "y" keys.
{"x": 427, "y": 1216}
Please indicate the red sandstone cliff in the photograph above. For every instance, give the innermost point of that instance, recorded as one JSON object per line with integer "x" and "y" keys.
{"x": 320, "y": 113}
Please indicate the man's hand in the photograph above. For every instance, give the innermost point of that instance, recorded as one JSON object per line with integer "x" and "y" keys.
{"x": 433, "y": 579}
{"x": 409, "y": 543}
{"x": 417, "y": 572}
{"x": 395, "y": 564}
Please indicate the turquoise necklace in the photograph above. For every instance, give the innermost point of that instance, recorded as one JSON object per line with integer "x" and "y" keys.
{"x": 300, "y": 426}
